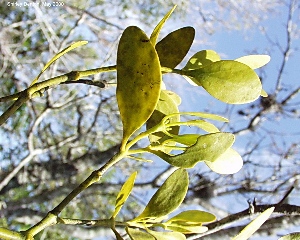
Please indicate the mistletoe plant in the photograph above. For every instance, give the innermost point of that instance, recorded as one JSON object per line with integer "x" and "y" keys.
{"x": 143, "y": 100}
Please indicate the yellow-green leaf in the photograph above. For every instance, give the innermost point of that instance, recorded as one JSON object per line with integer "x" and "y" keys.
{"x": 138, "y": 80}
{"x": 229, "y": 81}
{"x": 254, "y": 61}
{"x": 229, "y": 162}
{"x": 156, "y": 31}
{"x": 167, "y": 235}
{"x": 263, "y": 93}
{"x": 291, "y": 236}
{"x": 167, "y": 104}
{"x": 207, "y": 148}
{"x": 172, "y": 49}
{"x": 186, "y": 229}
{"x": 57, "y": 56}
{"x": 252, "y": 227}
{"x": 168, "y": 197}
{"x": 136, "y": 234}
{"x": 124, "y": 193}
{"x": 192, "y": 217}
{"x": 202, "y": 58}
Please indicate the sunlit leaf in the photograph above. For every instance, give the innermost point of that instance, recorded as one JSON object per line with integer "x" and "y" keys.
{"x": 291, "y": 236}
{"x": 263, "y": 93}
{"x": 186, "y": 229}
{"x": 57, "y": 56}
{"x": 229, "y": 162}
{"x": 136, "y": 234}
{"x": 167, "y": 104}
{"x": 198, "y": 60}
{"x": 192, "y": 217}
{"x": 254, "y": 61}
{"x": 168, "y": 197}
{"x": 156, "y": 31}
{"x": 206, "y": 126}
{"x": 205, "y": 115}
{"x": 138, "y": 80}
{"x": 202, "y": 58}
{"x": 167, "y": 235}
{"x": 173, "y": 48}
{"x": 124, "y": 193}
{"x": 254, "y": 225}
{"x": 229, "y": 81}
{"x": 207, "y": 148}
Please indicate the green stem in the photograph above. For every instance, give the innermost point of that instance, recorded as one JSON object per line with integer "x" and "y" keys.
{"x": 52, "y": 217}
{"x": 6, "y": 234}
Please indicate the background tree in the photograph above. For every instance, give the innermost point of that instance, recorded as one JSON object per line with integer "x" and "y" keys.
{"x": 54, "y": 142}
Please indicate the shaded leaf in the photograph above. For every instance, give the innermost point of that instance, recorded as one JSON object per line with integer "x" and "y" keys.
{"x": 229, "y": 81}
{"x": 192, "y": 217}
{"x": 138, "y": 80}
{"x": 124, "y": 193}
{"x": 173, "y": 48}
{"x": 136, "y": 234}
{"x": 167, "y": 104}
{"x": 207, "y": 148}
{"x": 57, "y": 56}
{"x": 156, "y": 31}
{"x": 254, "y": 61}
{"x": 168, "y": 197}
{"x": 167, "y": 235}
{"x": 186, "y": 139}
{"x": 254, "y": 225}
{"x": 291, "y": 236}
{"x": 229, "y": 162}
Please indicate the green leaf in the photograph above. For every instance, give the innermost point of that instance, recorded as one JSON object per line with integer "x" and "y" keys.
{"x": 138, "y": 80}
{"x": 202, "y": 58}
{"x": 156, "y": 31}
{"x": 254, "y": 225}
{"x": 186, "y": 229}
{"x": 291, "y": 236}
{"x": 254, "y": 61}
{"x": 207, "y": 148}
{"x": 206, "y": 126}
{"x": 173, "y": 48}
{"x": 229, "y": 81}
{"x": 198, "y": 60}
{"x": 192, "y": 217}
{"x": 168, "y": 197}
{"x": 136, "y": 234}
{"x": 58, "y": 55}
{"x": 263, "y": 93}
{"x": 186, "y": 139}
{"x": 167, "y": 104}
{"x": 229, "y": 162}
{"x": 201, "y": 115}
{"x": 167, "y": 235}
{"x": 124, "y": 193}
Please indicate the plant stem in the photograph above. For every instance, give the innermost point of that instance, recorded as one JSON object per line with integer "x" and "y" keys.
{"x": 52, "y": 217}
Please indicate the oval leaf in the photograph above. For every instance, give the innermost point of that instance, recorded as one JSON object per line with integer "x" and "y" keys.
{"x": 229, "y": 162}
{"x": 124, "y": 193}
{"x": 138, "y": 80}
{"x": 229, "y": 81}
{"x": 192, "y": 217}
{"x": 207, "y": 148}
{"x": 252, "y": 227}
{"x": 254, "y": 61}
{"x": 136, "y": 234}
{"x": 167, "y": 235}
{"x": 186, "y": 229}
{"x": 168, "y": 197}
{"x": 167, "y": 104}
{"x": 202, "y": 58}
{"x": 173, "y": 48}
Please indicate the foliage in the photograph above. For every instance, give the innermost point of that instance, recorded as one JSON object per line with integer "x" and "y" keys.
{"x": 143, "y": 101}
